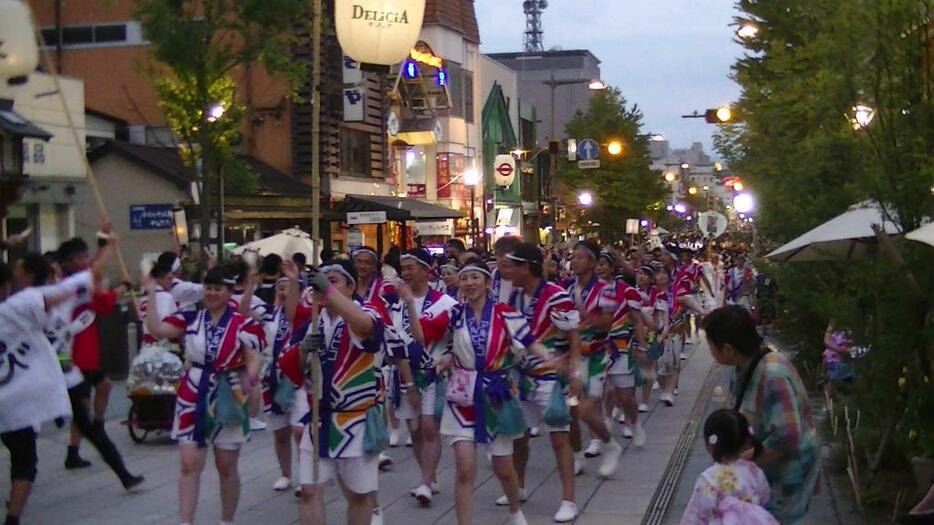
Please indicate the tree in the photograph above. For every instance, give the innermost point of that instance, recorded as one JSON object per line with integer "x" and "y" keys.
{"x": 810, "y": 64}
{"x": 624, "y": 187}
{"x": 197, "y": 45}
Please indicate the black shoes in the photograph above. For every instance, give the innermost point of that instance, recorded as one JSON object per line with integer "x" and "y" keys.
{"x": 129, "y": 481}
{"x": 74, "y": 461}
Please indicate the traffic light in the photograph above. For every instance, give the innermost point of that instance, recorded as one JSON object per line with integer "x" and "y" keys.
{"x": 720, "y": 115}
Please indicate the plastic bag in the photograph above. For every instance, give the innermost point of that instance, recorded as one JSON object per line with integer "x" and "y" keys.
{"x": 375, "y": 435}
{"x": 557, "y": 414}
{"x": 228, "y": 411}
{"x": 156, "y": 370}
{"x": 441, "y": 387}
{"x": 285, "y": 394}
{"x": 509, "y": 418}
{"x": 655, "y": 351}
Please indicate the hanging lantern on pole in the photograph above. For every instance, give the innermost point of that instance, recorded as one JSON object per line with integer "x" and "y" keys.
{"x": 504, "y": 170}
{"x": 379, "y": 32}
{"x": 19, "y": 54}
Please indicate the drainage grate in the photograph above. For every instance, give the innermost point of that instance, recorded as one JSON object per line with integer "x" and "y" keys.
{"x": 658, "y": 507}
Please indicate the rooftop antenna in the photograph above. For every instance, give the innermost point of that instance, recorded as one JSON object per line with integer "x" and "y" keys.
{"x": 533, "y": 25}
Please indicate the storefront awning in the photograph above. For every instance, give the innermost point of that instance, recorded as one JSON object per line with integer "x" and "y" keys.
{"x": 397, "y": 208}
{"x": 15, "y": 124}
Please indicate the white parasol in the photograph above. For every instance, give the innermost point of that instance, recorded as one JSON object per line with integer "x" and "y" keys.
{"x": 846, "y": 236}
{"x": 923, "y": 234}
{"x": 285, "y": 244}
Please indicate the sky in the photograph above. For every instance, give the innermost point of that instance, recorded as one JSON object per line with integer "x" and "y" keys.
{"x": 670, "y": 57}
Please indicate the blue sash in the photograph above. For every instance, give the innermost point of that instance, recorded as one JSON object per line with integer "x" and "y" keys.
{"x": 213, "y": 337}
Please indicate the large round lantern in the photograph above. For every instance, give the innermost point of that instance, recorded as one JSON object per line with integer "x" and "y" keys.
{"x": 19, "y": 54}
{"x": 378, "y": 31}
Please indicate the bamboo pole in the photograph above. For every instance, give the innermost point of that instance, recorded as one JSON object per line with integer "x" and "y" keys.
{"x": 80, "y": 147}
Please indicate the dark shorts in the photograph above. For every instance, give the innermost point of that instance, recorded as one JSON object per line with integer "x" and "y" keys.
{"x": 93, "y": 377}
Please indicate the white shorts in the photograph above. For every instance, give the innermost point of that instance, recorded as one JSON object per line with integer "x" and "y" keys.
{"x": 622, "y": 375}
{"x": 360, "y": 474}
{"x": 670, "y": 361}
{"x": 407, "y": 411}
{"x": 300, "y": 408}
{"x": 229, "y": 438}
{"x": 534, "y": 407}
{"x": 501, "y": 445}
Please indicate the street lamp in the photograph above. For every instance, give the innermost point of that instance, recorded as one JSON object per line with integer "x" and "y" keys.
{"x": 669, "y": 177}
{"x": 472, "y": 179}
{"x": 743, "y": 203}
{"x": 596, "y": 85}
{"x": 692, "y": 190}
{"x": 685, "y": 166}
{"x": 862, "y": 116}
{"x": 614, "y": 148}
{"x": 215, "y": 112}
{"x": 585, "y": 199}
{"x": 747, "y": 30}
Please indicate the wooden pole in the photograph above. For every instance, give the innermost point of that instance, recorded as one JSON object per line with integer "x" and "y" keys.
{"x": 88, "y": 172}
{"x": 317, "y": 387}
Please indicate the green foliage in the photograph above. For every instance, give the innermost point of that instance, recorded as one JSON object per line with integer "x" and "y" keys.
{"x": 810, "y": 64}
{"x": 624, "y": 187}
{"x": 197, "y": 45}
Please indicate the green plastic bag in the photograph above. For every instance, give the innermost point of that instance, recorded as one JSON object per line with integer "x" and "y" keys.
{"x": 557, "y": 414}
{"x": 228, "y": 412}
{"x": 375, "y": 435}
{"x": 441, "y": 387}
{"x": 285, "y": 394}
{"x": 509, "y": 418}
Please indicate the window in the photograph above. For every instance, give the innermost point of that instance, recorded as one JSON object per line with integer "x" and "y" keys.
{"x": 355, "y": 152}
{"x": 456, "y": 88}
{"x": 110, "y": 33}
{"x": 94, "y": 35}
{"x": 10, "y": 161}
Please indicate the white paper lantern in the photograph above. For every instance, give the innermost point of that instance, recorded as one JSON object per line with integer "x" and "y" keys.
{"x": 19, "y": 54}
{"x": 378, "y": 31}
{"x": 504, "y": 170}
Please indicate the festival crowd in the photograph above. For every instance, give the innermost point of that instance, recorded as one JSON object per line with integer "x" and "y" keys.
{"x": 465, "y": 349}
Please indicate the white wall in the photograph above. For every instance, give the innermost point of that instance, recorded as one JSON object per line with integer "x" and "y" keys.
{"x": 60, "y": 157}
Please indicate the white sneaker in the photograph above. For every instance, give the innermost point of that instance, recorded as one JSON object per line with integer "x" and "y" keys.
{"x": 408, "y": 440}
{"x": 643, "y": 408}
{"x": 257, "y": 424}
{"x": 627, "y": 431}
{"x": 502, "y": 501}
{"x": 434, "y": 487}
{"x": 622, "y": 417}
{"x": 535, "y": 432}
{"x": 638, "y": 438}
{"x": 656, "y": 386}
{"x": 676, "y": 391}
{"x": 423, "y": 495}
{"x": 517, "y": 519}
{"x": 394, "y": 437}
{"x": 281, "y": 484}
{"x": 667, "y": 398}
{"x": 611, "y": 453}
{"x": 385, "y": 461}
{"x": 683, "y": 356}
{"x": 593, "y": 450}
{"x": 616, "y": 413}
{"x": 578, "y": 465}
{"x": 567, "y": 512}
{"x": 377, "y": 518}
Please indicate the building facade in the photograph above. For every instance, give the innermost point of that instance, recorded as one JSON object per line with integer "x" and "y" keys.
{"x": 54, "y": 168}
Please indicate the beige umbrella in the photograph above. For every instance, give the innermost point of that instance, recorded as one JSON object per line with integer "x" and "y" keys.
{"x": 846, "y": 236}
{"x": 923, "y": 234}
{"x": 285, "y": 244}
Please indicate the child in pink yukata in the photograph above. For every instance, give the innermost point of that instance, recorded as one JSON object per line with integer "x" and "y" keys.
{"x": 733, "y": 491}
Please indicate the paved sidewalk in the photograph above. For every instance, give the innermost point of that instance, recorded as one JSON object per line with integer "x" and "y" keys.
{"x": 93, "y": 496}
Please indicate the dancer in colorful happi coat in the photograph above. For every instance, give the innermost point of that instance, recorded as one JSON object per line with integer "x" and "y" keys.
{"x": 487, "y": 339}
{"x": 553, "y": 319}
{"x": 596, "y": 309}
{"x": 223, "y": 361}
{"x": 415, "y": 402}
{"x": 350, "y": 340}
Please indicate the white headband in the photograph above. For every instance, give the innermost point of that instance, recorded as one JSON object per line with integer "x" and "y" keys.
{"x": 176, "y": 264}
{"x": 406, "y": 256}
{"x": 339, "y": 269}
{"x": 449, "y": 265}
{"x": 367, "y": 251}
{"x": 478, "y": 269}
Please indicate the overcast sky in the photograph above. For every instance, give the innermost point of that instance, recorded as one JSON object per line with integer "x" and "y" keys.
{"x": 668, "y": 56}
